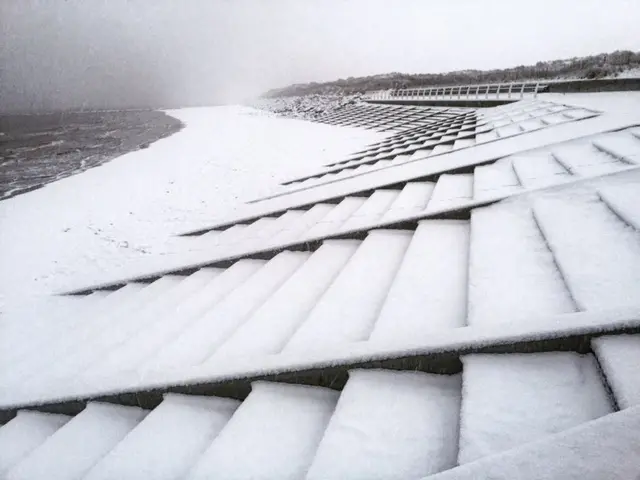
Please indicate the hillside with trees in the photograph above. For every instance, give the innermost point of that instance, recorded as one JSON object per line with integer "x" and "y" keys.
{"x": 595, "y": 66}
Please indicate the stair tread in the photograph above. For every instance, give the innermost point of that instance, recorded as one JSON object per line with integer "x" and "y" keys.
{"x": 539, "y": 169}
{"x": 371, "y": 210}
{"x": 585, "y": 159}
{"x": 348, "y": 309}
{"x": 429, "y": 292}
{"x": 77, "y": 446}
{"x": 581, "y": 227}
{"x": 512, "y": 275}
{"x": 493, "y": 180}
{"x": 336, "y": 217}
{"x": 510, "y": 400}
{"x": 411, "y": 200}
{"x": 603, "y": 448}
{"x": 451, "y": 191}
{"x": 166, "y": 444}
{"x": 274, "y": 434}
{"x": 391, "y": 425}
{"x": 202, "y": 338}
{"x": 619, "y": 357}
{"x": 273, "y": 324}
{"x": 24, "y": 433}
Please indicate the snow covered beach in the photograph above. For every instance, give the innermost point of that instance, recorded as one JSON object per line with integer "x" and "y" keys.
{"x": 127, "y": 209}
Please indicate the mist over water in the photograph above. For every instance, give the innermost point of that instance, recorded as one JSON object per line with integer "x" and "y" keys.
{"x": 90, "y": 54}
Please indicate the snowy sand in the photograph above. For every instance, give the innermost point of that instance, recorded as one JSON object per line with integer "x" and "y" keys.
{"x": 123, "y": 213}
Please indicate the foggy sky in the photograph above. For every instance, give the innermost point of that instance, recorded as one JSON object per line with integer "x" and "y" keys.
{"x": 126, "y": 53}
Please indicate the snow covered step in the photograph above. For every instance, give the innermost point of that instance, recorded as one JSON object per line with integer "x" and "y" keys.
{"x": 539, "y": 169}
{"x": 619, "y": 357}
{"x": 24, "y": 433}
{"x": 169, "y": 441}
{"x": 578, "y": 113}
{"x": 391, "y": 425}
{"x": 429, "y": 293}
{"x": 130, "y": 297}
{"x": 512, "y": 399}
{"x": 605, "y": 448}
{"x": 509, "y": 130}
{"x": 263, "y": 236}
{"x": 411, "y": 200}
{"x": 273, "y": 324}
{"x": 464, "y": 142}
{"x": 398, "y": 159}
{"x": 371, "y": 210}
{"x": 273, "y": 435}
{"x": 30, "y": 330}
{"x": 204, "y": 336}
{"x": 107, "y": 349}
{"x": 486, "y": 136}
{"x": 250, "y": 231}
{"x": 512, "y": 274}
{"x": 348, "y": 309}
{"x": 623, "y": 200}
{"x": 77, "y": 446}
{"x": 451, "y": 191}
{"x": 532, "y": 124}
{"x": 125, "y": 325}
{"x": 585, "y": 159}
{"x": 142, "y": 347}
{"x": 623, "y": 145}
{"x": 422, "y": 153}
{"x": 336, "y": 217}
{"x": 494, "y": 180}
{"x": 310, "y": 218}
{"x": 441, "y": 148}
{"x": 583, "y": 227}
{"x": 224, "y": 236}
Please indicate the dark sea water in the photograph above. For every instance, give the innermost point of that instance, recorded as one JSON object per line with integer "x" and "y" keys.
{"x": 40, "y": 149}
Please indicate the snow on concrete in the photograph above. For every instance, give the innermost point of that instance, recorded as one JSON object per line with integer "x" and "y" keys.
{"x": 391, "y": 426}
{"x": 584, "y": 158}
{"x": 510, "y": 400}
{"x": 412, "y": 200}
{"x": 202, "y": 338}
{"x": 336, "y": 217}
{"x": 168, "y": 442}
{"x": 172, "y": 323}
{"x": 512, "y": 274}
{"x": 77, "y": 446}
{"x": 371, "y": 210}
{"x": 273, "y": 324}
{"x": 273, "y": 435}
{"x": 619, "y": 357}
{"x": 98, "y": 337}
{"x": 120, "y": 215}
{"x": 581, "y": 227}
{"x": 429, "y": 292}
{"x": 604, "y": 448}
{"x": 348, "y": 309}
{"x": 451, "y": 191}
{"x": 623, "y": 200}
{"x": 24, "y": 433}
{"x": 493, "y": 180}
{"x": 538, "y": 169}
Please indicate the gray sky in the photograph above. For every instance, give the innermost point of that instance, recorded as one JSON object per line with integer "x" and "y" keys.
{"x": 114, "y": 53}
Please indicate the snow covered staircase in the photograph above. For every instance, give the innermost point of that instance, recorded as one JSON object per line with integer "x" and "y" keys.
{"x": 74, "y": 448}
{"x": 390, "y": 425}
{"x": 510, "y": 400}
{"x": 383, "y": 424}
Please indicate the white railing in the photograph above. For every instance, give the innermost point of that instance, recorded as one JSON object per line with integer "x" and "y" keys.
{"x": 494, "y": 91}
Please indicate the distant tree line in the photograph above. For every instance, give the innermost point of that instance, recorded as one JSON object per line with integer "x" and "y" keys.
{"x": 594, "y": 66}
